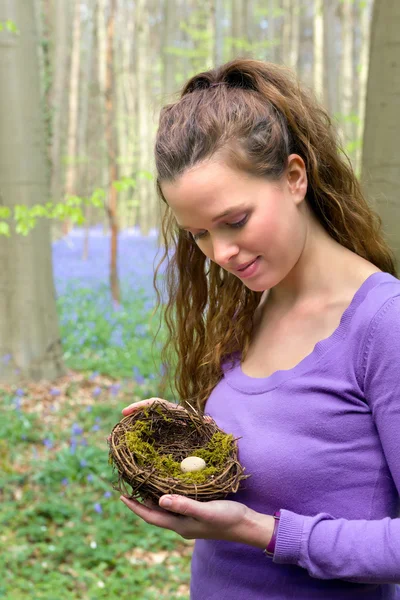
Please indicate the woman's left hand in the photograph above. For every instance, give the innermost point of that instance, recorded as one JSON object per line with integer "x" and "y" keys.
{"x": 216, "y": 519}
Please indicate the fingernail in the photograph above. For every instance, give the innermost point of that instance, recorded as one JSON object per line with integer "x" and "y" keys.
{"x": 166, "y": 502}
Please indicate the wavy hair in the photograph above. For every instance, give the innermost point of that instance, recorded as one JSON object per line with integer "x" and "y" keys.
{"x": 254, "y": 114}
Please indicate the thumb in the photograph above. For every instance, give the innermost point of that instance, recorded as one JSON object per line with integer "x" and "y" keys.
{"x": 183, "y": 506}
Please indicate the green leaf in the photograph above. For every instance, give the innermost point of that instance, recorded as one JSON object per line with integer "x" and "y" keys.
{"x": 4, "y": 228}
{"x": 73, "y": 201}
{"x": 146, "y": 175}
{"x": 97, "y": 197}
{"x": 11, "y": 26}
{"x": 5, "y": 212}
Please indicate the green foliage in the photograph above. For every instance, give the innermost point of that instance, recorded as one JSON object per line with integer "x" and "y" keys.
{"x": 95, "y": 338}
{"x": 9, "y": 26}
{"x": 65, "y": 532}
{"x": 25, "y": 217}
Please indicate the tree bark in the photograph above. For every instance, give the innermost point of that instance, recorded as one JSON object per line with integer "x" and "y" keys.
{"x": 112, "y": 158}
{"x": 318, "y": 65}
{"x": 365, "y": 24}
{"x": 30, "y": 346}
{"x": 218, "y": 15}
{"x": 58, "y": 103}
{"x": 145, "y": 136}
{"x": 331, "y": 71}
{"x": 347, "y": 72}
{"x": 70, "y": 182}
{"x": 381, "y": 160}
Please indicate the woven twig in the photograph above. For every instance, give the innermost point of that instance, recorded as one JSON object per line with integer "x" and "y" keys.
{"x": 177, "y": 432}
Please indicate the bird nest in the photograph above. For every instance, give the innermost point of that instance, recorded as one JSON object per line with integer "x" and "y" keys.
{"x": 147, "y": 447}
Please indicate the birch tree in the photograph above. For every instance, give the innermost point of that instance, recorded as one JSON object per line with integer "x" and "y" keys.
{"x": 71, "y": 178}
{"x": 145, "y": 137}
{"x": 365, "y": 11}
{"x": 347, "y": 69}
{"x": 112, "y": 158}
{"x": 57, "y": 97}
{"x": 318, "y": 65}
{"x": 381, "y": 159}
{"x": 30, "y": 346}
{"x": 331, "y": 70}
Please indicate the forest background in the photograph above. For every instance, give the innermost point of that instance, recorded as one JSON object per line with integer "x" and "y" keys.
{"x": 82, "y": 83}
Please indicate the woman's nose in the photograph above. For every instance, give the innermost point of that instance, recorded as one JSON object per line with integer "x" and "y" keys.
{"x": 224, "y": 251}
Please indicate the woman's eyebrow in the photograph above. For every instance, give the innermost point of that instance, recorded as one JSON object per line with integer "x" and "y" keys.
{"x": 226, "y": 212}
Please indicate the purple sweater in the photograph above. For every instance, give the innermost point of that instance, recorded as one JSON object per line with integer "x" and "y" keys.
{"x": 322, "y": 443}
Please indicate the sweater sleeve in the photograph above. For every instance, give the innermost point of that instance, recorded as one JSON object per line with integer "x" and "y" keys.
{"x": 362, "y": 551}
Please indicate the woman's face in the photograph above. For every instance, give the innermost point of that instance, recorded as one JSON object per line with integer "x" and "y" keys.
{"x": 236, "y": 219}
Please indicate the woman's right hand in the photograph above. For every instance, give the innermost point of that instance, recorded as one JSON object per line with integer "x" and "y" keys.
{"x": 128, "y": 410}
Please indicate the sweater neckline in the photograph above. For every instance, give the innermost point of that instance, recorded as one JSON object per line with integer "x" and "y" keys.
{"x": 238, "y": 380}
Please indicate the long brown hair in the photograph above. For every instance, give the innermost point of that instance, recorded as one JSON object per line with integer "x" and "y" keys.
{"x": 254, "y": 114}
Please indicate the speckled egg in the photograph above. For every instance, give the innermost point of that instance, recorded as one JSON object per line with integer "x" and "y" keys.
{"x": 192, "y": 464}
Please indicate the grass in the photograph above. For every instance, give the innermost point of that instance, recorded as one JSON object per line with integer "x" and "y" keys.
{"x": 63, "y": 531}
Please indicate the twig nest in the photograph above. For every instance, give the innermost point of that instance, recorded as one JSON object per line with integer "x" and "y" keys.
{"x": 160, "y": 450}
{"x": 192, "y": 464}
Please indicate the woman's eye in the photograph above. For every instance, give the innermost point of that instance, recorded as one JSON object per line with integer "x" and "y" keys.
{"x": 198, "y": 236}
{"x": 237, "y": 225}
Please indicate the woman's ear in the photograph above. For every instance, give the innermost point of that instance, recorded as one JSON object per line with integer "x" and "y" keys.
{"x": 296, "y": 177}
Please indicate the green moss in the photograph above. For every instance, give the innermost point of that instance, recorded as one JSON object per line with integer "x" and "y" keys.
{"x": 215, "y": 454}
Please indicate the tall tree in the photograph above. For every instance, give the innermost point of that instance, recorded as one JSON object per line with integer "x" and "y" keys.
{"x": 218, "y": 16}
{"x": 112, "y": 158}
{"x": 365, "y": 8}
{"x": 71, "y": 175}
{"x": 318, "y": 65}
{"x": 331, "y": 69}
{"x": 30, "y": 345}
{"x": 144, "y": 130}
{"x": 381, "y": 159}
{"x": 347, "y": 69}
{"x": 240, "y": 28}
{"x": 60, "y": 38}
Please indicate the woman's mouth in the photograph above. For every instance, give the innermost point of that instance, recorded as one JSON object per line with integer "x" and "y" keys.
{"x": 250, "y": 269}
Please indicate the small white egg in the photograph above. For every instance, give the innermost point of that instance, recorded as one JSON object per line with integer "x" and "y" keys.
{"x": 192, "y": 464}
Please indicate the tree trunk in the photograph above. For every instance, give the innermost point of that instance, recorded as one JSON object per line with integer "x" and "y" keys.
{"x": 286, "y": 31}
{"x": 145, "y": 136}
{"x": 218, "y": 15}
{"x": 30, "y": 346}
{"x": 101, "y": 71}
{"x": 70, "y": 182}
{"x": 331, "y": 71}
{"x": 381, "y": 160}
{"x": 240, "y": 29}
{"x": 112, "y": 159}
{"x": 365, "y": 24}
{"x": 60, "y": 36}
{"x": 318, "y": 64}
{"x": 347, "y": 74}
{"x": 271, "y": 32}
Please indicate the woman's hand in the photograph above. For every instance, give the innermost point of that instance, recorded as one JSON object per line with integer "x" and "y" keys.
{"x": 217, "y": 519}
{"x": 128, "y": 410}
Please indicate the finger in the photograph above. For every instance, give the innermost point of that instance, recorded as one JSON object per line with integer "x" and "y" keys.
{"x": 148, "y": 402}
{"x": 136, "y": 405}
{"x": 159, "y": 518}
{"x": 183, "y": 506}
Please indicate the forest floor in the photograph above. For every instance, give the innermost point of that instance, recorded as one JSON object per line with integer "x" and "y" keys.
{"x": 64, "y": 533}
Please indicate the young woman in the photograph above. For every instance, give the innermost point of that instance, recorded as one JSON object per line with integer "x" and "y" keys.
{"x": 284, "y": 314}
